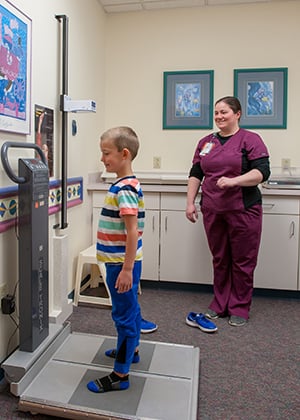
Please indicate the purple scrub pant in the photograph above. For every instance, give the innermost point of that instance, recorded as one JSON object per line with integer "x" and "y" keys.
{"x": 233, "y": 239}
{"x": 126, "y": 314}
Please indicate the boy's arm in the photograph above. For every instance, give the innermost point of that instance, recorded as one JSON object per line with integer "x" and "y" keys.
{"x": 124, "y": 281}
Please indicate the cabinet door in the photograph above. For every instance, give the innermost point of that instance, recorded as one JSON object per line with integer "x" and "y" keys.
{"x": 150, "y": 266}
{"x": 278, "y": 256}
{"x": 185, "y": 256}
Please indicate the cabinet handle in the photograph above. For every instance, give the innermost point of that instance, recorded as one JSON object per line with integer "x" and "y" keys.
{"x": 153, "y": 223}
{"x": 166, "y": 223}
{"x": 292, "y": 229}
{"x": 268, "y": 206}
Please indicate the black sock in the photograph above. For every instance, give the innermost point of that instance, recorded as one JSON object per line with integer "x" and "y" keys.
{"x": 115, "y": 377}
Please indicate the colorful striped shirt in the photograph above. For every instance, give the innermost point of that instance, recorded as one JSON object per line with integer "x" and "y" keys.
{"x": 124, "y": 197}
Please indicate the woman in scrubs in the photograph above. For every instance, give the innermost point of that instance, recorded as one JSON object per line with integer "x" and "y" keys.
{"x": 229, "y": 165}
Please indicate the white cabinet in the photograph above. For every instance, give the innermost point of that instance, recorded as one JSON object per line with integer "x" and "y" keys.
{"x": 277, "y": 266}
{"x": 184, "y": 254}
{"x": 175, "y": 249}
{"x": 151, "y": 237}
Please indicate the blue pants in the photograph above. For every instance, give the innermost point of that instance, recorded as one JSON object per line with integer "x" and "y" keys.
{"x": 126, "y": 314}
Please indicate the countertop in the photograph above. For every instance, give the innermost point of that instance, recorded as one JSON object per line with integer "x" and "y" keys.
{"x": 158, "y": 182}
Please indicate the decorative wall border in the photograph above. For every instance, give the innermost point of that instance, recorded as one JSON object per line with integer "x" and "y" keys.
{"x": 9, "y": 200}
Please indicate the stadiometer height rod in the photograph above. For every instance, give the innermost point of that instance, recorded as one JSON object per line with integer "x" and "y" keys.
{"x": 64, "y": 133}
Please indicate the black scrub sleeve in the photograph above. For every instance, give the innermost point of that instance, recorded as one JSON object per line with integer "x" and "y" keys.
{"x": 196, "y": 172}
{"x": 263, "y": 165}
{"x": 252, "y": 195}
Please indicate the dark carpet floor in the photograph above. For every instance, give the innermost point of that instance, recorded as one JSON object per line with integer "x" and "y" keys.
{"x": 246, "y": 373}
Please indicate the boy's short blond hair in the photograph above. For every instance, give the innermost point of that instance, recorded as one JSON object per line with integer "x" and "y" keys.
{"x": 123, "y": 137}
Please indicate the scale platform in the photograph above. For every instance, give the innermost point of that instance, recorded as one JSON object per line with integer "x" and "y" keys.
{"x": 163, "y": 385}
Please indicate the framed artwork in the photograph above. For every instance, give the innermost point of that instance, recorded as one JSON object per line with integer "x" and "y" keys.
{"x": 263, "y": 96}
{"x": 188, "y": 99}
{"x": 44, "y": 133}
{"x": 15, "y": 69}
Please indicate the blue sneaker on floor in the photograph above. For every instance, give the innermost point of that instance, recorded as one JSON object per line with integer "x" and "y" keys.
{"x": 195, "y": 319}
{"x": 148, "y": 326}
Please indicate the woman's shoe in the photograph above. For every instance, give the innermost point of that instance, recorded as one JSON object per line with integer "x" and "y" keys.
{"x": 237, "y": 321}
{"x": 211, "y": 314}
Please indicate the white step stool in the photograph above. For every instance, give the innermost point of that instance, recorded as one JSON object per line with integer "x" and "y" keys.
{"x": 98, "y": 271}
{"x": 88, "y": 256}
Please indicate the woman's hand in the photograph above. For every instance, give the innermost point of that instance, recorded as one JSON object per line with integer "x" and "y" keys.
{"x": 191, "y": 213}
{"x": 225, "y": 182}
{"x": 249, "y": 179}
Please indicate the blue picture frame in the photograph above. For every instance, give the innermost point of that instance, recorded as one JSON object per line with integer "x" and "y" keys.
{"x": 263, "y": 96}
{"x": 188, "y": 99}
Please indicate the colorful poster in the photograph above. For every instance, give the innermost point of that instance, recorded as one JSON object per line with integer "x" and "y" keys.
{"x": 44, "y": 133}
{"x": 15, "y": 44}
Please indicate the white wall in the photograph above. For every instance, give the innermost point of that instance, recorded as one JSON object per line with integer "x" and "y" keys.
{"x": 221, "y": 38}
{"x": 86, "y": 81}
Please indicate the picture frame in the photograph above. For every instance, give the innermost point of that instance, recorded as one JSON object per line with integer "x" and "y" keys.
{"x": 44, "y": 129}
{"x": 188, "y": 99}
{"x": 263, "y": 96}
{"x": 15, "y": 69}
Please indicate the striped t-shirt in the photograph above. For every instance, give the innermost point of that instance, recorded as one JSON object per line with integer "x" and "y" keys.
{"x": 124, "y": 197}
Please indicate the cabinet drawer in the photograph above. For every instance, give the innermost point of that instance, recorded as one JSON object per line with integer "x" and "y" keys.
{"x": 175, "y": 201}
{"x": 271, "y": 205}
{"x": 280, "y": 205}
{"x": 152, "y": 201}
{"x": 98, "y": 198}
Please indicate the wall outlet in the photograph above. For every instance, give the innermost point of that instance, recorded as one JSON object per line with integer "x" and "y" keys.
{"x": 156, "y": 162}
{"x": 3, "y": 290}
{"x": 285, "y": 163}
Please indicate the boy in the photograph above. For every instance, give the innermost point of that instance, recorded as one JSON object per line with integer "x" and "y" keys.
{"x": 119, "y": 246}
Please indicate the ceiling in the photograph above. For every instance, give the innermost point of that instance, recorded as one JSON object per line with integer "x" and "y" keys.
{"x": 118, "y": 6}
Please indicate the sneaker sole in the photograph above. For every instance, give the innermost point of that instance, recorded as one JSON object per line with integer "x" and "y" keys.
{"x": 195, "y": 324}
{"x": 191, "y": 323}
{"x": 148, "y": 331}
{"x": 233, "y": 324}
